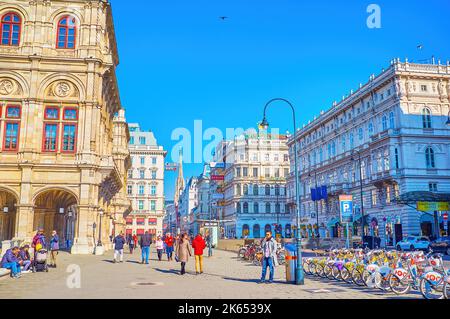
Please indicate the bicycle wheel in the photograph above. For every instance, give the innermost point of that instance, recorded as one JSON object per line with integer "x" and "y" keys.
{"x": 357, "y": 278}
{"x": 241, "y": 253}
{"x": 319, "y": 271}
{"x": 346, "y": 275}
{"x": 328, "y": 271}
{"x": 336, "y": 273}
{"x": 447, "y": 290}
{"x": 430, "y": 291}
{"x": 398, "y": 286}
{"x": 384, "y": 283}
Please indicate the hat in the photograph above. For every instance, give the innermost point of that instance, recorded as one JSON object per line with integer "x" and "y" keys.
{"x": 26, "y": 246}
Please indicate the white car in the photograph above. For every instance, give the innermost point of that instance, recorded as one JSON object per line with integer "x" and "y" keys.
{"x": 414, "y": 243}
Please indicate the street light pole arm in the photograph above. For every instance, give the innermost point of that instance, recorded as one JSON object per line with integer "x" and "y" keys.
{"x": 288, "y": 103}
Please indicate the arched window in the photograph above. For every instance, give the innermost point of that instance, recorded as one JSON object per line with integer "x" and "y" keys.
{"x": 384, "y": 123}
{"x": 267, "y": 208}
{"x": 67, "y": 31}
{"x": 277, "y": 190}
{"x": 370, "y": 129}
{"x": 245, "y": 189}
{"x": 256, "y": 231}
{"x": 245, "y": 208}
{"x": 429, "y": 158}
{"x": 277, "y": 208}
{"x": 426, "y": 118}
{"x": 11, "y": 25}
{"x": 238, "y": 208}
{"x": 268, "y": 228}
{"x": 255, "y": 190}
{"x": 256, "y": 208}
{"x": 238, "y": 189}
{"x": 245, "y": 230}
{"x": 391, "y": 120}
{"x": 267, "y": 189}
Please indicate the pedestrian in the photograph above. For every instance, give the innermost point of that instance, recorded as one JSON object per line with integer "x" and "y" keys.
{"x": 11, "y": 261}
{"x": 135, "y": 240}
{"x": 169, "y": 246}
{"x": 119, "y": 242}
{"x": 54, "y": 248}
{"x": 159, "y": 247}
{"x": 199, "y": 245}
{"x": 183, "y": 251}
{"x": 269, "y": 250}
{"x": 145, "y": 242}
{"x": 130, "y": 242}
{"x": 25, "y": 258}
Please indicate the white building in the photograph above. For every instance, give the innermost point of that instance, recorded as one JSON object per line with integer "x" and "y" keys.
{"x": 187, "y": 203}
{"x": 170, "y": 217}
{"x": 201, "y": 213}
{"x": 145, "y": 184}
{"x": 397, "y": 123}
{"x": 257, "y": 166}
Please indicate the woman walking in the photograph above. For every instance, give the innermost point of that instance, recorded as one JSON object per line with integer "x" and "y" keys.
{"x": 131, "y": 244}
{"x": 54, "y": 248}
{"x": 159, "y": 247}
{"x": 169, "y": 246}
{"x": 183, "y": 251}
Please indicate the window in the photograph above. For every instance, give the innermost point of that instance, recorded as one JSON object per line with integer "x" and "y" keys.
{"x": 277, "y": 172}
{"x": 245, "y": 171}
{"x": 256, "y": 208}
{"x": 130, "y": 189}
{"x": 267, "y": 189}
{"x": 277, "y": 208}
{"x": 397, "y": 162}
{"x": 321, "y": 155}
{"x": 238, "y": 190}
{"x": 429, "y": 158}
{"x": 255, "y": 172}
{"x": 69, "y": 137}
{"x": 267, "y": 172}
{"x": 153, "y": 190}
{"x": 276, "y": 158}
{"x": 370, "y": 129}
{"x": 51, "y": 113}
{"x": 13, "y": 112}
{"x": 391, "y": 120}
{"x": 255, "y": 190}
{"x": 277, "y": 190}
{"x": 245, "y": 208}
{"x": 50, "y": 137}
{"x": 238, "y": 172}
{"x": 131, "y": 140}
{"x": 432, "y": 187}
{"x": 426, "y": 118}
{"x": 360, "y": 134}
{"x": 286, "y": 172}
{"x": 267, "y": 157}
{"x": 66, "y": 33}
{"x": 343, "y": 143}
{"x": 11, "y": 138}
{"x": 140, "y": 204}
{"x": 152, "y": 205}
{"x": 141, "y": 173}
{"x": 11, "y": 25}
{"x": 286, "y": 157}
{"x": 351, "y": 141}
{"x": 142, "y": 160}
{"x": 384, "y": 123}
{"x": 141, "y": 189}
{"x": 153, "y": 160}
{"x": 142, "y": 140}
{"x": 153, "y": 174}
{"x": 238, "y": 208}
{"x": 70, "y": 114}
{"x": 267, "y": 208}
{"x": 423, "y": 88}
{"x": 140, "y": 221}
{"x": 245, "y": 189}
{"x": 130, "y": 173}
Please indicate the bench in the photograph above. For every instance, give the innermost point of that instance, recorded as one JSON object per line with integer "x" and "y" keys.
{"x": 4, "y": 272}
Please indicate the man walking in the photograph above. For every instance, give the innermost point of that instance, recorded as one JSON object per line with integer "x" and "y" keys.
{"x": 169, "y": 246}
{"x": 119, "y": 242}
{"x": 199, "y": 245}
{"x": 145, "y": 242}
{"x": 269, "y": 249}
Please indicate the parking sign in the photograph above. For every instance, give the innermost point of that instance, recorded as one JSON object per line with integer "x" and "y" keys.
{"x": 346, "y": 208}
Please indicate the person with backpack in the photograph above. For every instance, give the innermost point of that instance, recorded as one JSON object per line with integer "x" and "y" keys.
{"x": 199, "y": 245}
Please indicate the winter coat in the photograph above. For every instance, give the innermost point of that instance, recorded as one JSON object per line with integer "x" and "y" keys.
{"x": 119, "y": 241}
{"x": 159, "y": 244}
{"x": 198, "y": 244}
{"x": 146, "y": 240}
{"x": 9, "y": 257}
{"x": 54, "y": 243}
{"x": 271, "y": 244}
{"x": 24, "y": 255}
{"x": 169, "y": 241}
{"x": 183, "y": 250}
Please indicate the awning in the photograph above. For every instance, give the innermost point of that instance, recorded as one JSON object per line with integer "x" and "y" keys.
{"x": 411, "y": 198}
{"x": 332, "y": 222}
{"x": 140, "y": 232}
{"x": 129, "y": 231}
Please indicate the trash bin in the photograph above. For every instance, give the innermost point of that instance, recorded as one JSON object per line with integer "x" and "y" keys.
{"x": 291, "y": 260}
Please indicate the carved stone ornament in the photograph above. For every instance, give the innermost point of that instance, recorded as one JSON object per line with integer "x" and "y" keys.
{"x": 6, "y": 87}
{"x": 62, "y": 89}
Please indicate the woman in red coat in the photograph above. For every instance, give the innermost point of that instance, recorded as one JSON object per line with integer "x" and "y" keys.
{"x": 198, "y": 244}
{"x": 169, "y": 246}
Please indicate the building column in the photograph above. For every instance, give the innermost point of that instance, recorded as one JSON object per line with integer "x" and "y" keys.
{"x": 83, "y": 242}
{"x": 23, "y": 229}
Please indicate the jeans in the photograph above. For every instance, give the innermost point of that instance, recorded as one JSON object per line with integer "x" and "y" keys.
{"x": 160, "y": 253}
{"x": 15, "y": 268}
{"x": 183, "y": 267}
{"x": 267, "y": 262}
{"x": 199, "y": 263}
{"x": 26, "y": 265}
{"x": 145, "y": 253}
{"x": 169, "y": 251}
{"x": 118, "y": 252}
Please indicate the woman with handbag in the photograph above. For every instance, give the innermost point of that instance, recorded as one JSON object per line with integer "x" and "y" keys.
{"x": 182, "y": 252}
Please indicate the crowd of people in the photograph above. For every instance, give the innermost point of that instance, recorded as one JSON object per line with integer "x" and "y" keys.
{"x": 24, "y": 259}
{"x": 180, "y": 247}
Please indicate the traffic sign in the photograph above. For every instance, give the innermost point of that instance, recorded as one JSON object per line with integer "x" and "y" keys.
{"x": 346, "y": 208}
{"x": 445, "y": 216}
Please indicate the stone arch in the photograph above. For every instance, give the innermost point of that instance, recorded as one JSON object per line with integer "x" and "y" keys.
{"x": 5, "y": 8}
{"x": 19, "y": 86}
{"x": 58, "y": 14}
{"x": 68, "y": 87}
{"x": 8, "y": 202}
{"x": 57, "y": 188}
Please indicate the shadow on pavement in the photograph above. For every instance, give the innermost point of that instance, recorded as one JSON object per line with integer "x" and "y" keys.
{"x": 165, "y": 271}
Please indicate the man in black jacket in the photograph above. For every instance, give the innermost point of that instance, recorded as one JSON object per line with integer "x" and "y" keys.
{"x": 145, "y": 242}
{"x": 119, "y": 241}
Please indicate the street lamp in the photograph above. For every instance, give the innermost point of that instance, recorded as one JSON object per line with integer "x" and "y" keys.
{"x": 361, "y": 194}
{"x": 299, "y": 276}
{"x": 99, "y": 249}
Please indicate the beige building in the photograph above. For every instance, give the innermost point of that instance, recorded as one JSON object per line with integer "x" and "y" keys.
{"x": 64, "y": 138}
{"x": 145, "y": 185}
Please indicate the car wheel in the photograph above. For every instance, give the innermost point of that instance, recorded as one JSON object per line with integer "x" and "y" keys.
{"x": 411, "y": 248}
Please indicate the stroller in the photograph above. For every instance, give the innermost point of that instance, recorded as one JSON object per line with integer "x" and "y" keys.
{"x": 40, "y": 261}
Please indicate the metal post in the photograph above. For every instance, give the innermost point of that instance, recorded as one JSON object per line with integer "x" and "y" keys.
{"x": 100, "y": 231}
{"x": 210, "y": 220}
{"x": 361, "y": 198}
{"x": 299, "y": 275}
{"x": 348, "y": 237}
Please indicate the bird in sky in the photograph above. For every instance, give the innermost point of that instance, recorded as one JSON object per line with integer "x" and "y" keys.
{"x": 223, "y": 18}
{"x": 420, "y": 47}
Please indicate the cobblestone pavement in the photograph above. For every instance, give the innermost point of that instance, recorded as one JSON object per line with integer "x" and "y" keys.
{"x": 224, "y": 277}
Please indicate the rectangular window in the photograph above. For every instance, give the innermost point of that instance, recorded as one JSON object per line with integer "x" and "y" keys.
{"x": 141, "y": 174}
{"x": 69, "y": 137}
{"x": 267, "y": 172}
{"x": 286, "y": 172}
{"x": 130, "y": 189}
{"x": 142, "y": 160}
{"x": 142, "y": 140}
{"x": 153, "y": 174}
{"x": 153, "y": 190}
{"x": 50, "y": 137}
{"x": 432, "y": 187}
{"x": 51, "y": 113}
{"x": 11, "y": 139}
{"x": 423, "y": 88}
{"x": 277, "y": 172}
{"x": 152, "y": 205}
{"x": 141, "y": 205}
{"x": 70, "y": 114}
{"x": 245, "y": 171}
{"x": 153, "y": 160}
{"x": 140, "y": 221}
{"x": 255, "y": 172}
{"x": 238, "y": 172}
{"x": 130, "y": 173}
{"x": 13, "y": 112}
{"x": 397, "y": 165}
{"x": 141, "y": 189}
{"x": 131, "y": 140}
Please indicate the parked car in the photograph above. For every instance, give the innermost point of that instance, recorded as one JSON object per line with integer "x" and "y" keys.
{"x": 414, "y": 243}
{"x": 441, "y": 245}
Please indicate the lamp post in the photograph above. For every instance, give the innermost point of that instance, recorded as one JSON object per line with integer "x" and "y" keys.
{"x": 99, "y": 250}
{"x": 316, "y": 203}
{"x": 299, "y": 276}
{"x": 448, "y": 119}
{"x": 361, "y": 194}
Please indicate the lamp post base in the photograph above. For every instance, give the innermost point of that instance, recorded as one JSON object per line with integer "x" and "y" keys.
{"x": 99, "y": 250}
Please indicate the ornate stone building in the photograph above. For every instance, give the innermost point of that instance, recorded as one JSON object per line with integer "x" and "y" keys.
{"x": 64, "y": 139}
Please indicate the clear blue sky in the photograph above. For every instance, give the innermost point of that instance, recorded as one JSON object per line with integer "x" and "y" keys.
{"x": 179, "y": 62}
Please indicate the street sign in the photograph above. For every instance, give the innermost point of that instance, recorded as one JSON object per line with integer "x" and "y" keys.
{"x": 217, "y": 177}
{"x": 432, "y": 206}
{"x": 346, "y": 208}
{"x": 445, "y": 216}
{"x": 216, "y": 165}
{"x": 171, "y": 166}
{"x": 217, "y": 196}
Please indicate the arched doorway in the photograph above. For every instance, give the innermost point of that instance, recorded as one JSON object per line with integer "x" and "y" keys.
{"x": 256, "y": 231}
{"x": 245, "y": 231}
{"x": 56, "y": 209}
{"x": 426, "y": 224}
{"x": 267, "y": 228}
{"x": 8, "y": 202}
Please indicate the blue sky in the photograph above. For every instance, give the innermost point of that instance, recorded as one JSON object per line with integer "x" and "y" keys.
{"x": 179, "y": 62}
